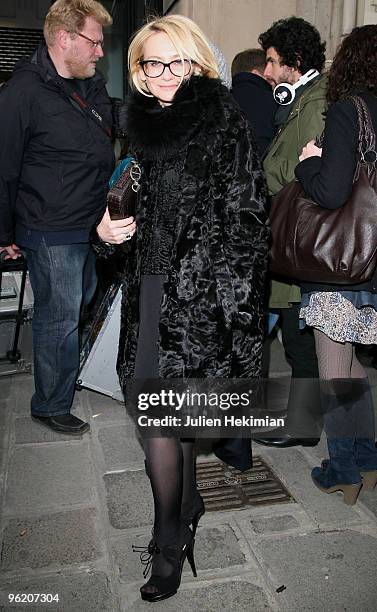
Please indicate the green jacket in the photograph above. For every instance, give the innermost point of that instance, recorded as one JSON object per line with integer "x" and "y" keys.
{"x": 305, "y": 122}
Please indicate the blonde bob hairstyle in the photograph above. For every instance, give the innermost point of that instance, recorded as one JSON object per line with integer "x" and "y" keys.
{"x": 186, "y": 37}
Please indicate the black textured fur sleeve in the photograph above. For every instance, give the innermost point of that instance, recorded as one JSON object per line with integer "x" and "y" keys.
{"x": 245, "y": 242}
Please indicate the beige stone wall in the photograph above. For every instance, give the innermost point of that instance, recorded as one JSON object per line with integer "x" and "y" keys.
{"x": 366, "y": 12}
{"x": 234, "y": 25}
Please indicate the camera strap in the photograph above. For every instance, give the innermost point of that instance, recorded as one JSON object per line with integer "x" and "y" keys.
{"x": 84, "y": 106}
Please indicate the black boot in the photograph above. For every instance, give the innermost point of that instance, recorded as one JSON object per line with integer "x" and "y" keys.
{"x": 303, "y": 424}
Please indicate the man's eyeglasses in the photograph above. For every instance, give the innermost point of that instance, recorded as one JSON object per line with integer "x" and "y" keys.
{"x": 94, "y": 43}
{"x": 154, "y": 68}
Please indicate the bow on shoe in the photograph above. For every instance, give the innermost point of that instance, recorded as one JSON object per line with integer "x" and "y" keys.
{"x": 146, "y": 555}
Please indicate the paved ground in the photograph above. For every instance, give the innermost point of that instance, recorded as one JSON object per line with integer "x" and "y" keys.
{"x": 71, "y": 509}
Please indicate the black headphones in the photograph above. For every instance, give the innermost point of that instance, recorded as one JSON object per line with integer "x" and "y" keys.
{"x": 285, "y": 93}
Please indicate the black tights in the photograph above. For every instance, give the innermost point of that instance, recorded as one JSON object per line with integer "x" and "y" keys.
{"x": 170, "y": 465}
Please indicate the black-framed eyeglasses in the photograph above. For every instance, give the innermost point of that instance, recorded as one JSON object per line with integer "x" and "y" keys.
{"x": 95, "y": 43}
{"x": 154, "y": 68}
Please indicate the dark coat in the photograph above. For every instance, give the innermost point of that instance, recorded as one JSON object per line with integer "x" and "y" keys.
{"x": 254, "y": 95}
{"x": 211, "y": 309}
{"x": 328, "y": 179}
{"x": 55, "y": 161}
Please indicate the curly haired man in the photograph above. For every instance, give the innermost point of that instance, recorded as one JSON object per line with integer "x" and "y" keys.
{"x": 295, "y": 57}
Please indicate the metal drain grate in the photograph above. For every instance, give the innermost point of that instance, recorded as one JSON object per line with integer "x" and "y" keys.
{"x": 225, "y": 488}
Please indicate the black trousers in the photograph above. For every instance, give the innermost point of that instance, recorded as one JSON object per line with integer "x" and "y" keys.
{"x": 304, "y": 412}
{"x": 298, "y": 344}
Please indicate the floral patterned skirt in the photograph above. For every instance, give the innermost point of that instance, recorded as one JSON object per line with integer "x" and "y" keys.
{"x": 339, "y": 318}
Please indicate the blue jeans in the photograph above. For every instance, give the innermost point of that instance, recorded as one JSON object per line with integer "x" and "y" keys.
{"x": 63, "y": 279}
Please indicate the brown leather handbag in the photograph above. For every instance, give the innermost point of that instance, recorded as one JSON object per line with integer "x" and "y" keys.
{"x": 124, "y": 185}
{"x": 313, "y": 244}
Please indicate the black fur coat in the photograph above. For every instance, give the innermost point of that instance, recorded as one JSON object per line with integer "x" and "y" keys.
{"x": 212, "y": 304}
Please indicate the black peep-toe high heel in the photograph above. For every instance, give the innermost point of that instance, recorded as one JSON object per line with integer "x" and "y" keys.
{"x": 175, "y": 555}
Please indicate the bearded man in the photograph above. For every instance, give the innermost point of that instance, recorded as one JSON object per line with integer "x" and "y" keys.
{"x": 55, "y": 161}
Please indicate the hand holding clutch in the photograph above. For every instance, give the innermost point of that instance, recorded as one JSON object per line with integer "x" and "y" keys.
{"x": 116, "y": 231}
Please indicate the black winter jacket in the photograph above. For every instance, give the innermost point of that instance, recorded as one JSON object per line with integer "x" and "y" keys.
{"x": 212, "y": 304}
{"x": 328, "y": 179}
{"x": 254, "y": 95}
{"x": 55, "y": 161}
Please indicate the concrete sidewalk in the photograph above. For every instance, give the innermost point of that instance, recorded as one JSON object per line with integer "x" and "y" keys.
{"x": 72, "y": 508}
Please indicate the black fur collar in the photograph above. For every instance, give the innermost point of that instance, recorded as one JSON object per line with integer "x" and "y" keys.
{"x": 156, "y": 132}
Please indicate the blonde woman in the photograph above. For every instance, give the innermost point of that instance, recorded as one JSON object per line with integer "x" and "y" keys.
{"x": 194, "y": 279}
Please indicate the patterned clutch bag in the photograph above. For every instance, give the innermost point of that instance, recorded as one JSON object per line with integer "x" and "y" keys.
{"x": 124, "y": 185}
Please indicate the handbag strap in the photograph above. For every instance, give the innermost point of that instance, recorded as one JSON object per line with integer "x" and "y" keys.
{"x": 131, "y": 171}
{"x": 367, "y": 155}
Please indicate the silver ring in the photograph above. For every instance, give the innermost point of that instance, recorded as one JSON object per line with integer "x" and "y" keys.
{"x": 127, "y": 236}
